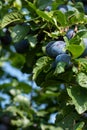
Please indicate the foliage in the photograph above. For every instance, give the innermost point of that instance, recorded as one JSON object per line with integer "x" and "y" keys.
{"x": 49, "y": 89}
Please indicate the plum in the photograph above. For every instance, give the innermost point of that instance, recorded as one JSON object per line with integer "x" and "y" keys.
{"x": 3, "y": 127}
{"x": 66, "y": 58}
{"x": 22, "y": 46}
{"x": 6, "y": 119}
{"x": 62, "y": 8}
{"x": 48, "y": 8}
{"x": 55, "y": 48}
{"x": 85, "y": 8}
{"x": 70, "y": 33}
{"x": 5, "y": 40}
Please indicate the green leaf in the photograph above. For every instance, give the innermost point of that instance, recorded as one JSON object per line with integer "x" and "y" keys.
{"x": 31, "y": 5}
{"x": 60, "y": 68}
{"x": 19, "y": 32}
{"x": 11, "y": 18}
{"x": 41, "y": 113}
{"x": 79, "y": 98}
{"x": 76, "y": 50}
{"x": 60, "y": 17}
{"x": 44, "y": 15}
{"x": 82, "y": 79}
{"x": 81, "y": 33}
{"x": 79, "y": 126}
{"x": 15, "y": 111}
{"x": 67, "y": 121}
{"x": 17, "y": 60}
{"x": 22, "y": 101}
{"x": 82, "y": 63}
{"x": 32, "y": 40}
{"x": 24, "y": 122}
{"x": 41, "y": 64}
{"x": 75, "y": 17}
{"x": 26, "y": 88}
{"x": 41, "y": 4}
{"x": 50, "y": 83}
{"x": 50, "y": 127}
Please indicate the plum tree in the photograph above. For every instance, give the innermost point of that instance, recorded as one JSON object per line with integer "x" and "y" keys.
{"x": 22, "y": 46}
{"x": 70, "y": 33}
{"x": 55, "y": 48}
{"x": 66, "y": 58}
{"x": 54, "y": 77}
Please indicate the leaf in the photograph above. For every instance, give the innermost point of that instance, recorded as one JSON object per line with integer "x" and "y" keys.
{"x": 11, "y": 18}
{"x": 41, "y": 64}
{"x": 60, "y": 68}
{"x": 67, "y": 121}
{"x": 50, "y": 83}
{"x": 76, "y": 50}
{"x": 15, "y": 111}
{"x": 19, "y": 32}
{"x": 22, "y": 101}
{"x": 82, "y": 33}
{"x": 42, "y": 113}
{"x": 79, "y": 98}
{"x": 17, "y": 60}
{"x": 24, "y": 122}
{"x": 32, "y": 40}
{"x": 26, "y": 88}
{"x": 79, "y": 126}
{"x": 44, "y": 15}
{"x": 31, "y": 5}
{"x": 75, "y": 17}
{"x": 60, "y": 17}
{"x": 43, "y": 4}
{"x": 82, "y": 79}
{"x": 82, "y": 63}
{"x": 50, "y": 127}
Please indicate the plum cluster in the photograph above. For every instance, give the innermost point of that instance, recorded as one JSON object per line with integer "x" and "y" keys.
{"x": 57, "y": 50}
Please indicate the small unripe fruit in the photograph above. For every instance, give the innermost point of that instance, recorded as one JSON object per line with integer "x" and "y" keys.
{"x": 55, "y": 48}
{"x": 22, "y": 46}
